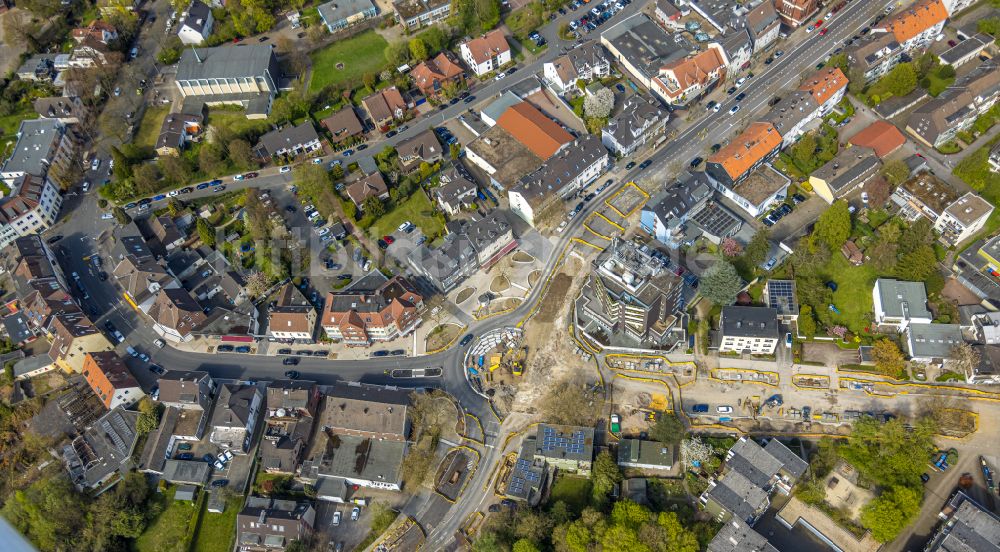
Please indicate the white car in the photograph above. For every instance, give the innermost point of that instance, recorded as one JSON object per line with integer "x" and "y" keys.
{"x": 404, "y": 226}
{"x": 95, "y": 164}
{"x": 309, "y": 208}
{"x": 500, "y": 76}
{"x": 716, "y": 108}
{"x": 219, "y": 466}
{"x": 107, "y": 216}
{"x": 285, "y": 169}
{"x": 864, "y": 198}
{"x": 173, "y": 193}
{"x": 724, "y": 409}
{"x": 734, "y": 109}
{"x": 86, "y": 186}
{"x": 740, "y": 81}
{"x": 336, "y": 518}
{"x": 355, "y": 513}
{"x": 313, "y": 215}
{"x": 324, "y": 232}
{"x": 228, "y": 455}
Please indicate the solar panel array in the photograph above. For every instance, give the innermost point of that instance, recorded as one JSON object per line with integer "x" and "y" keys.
{"x": 522, "y": 478}
{"x": 572, "y": 444}
{"x": 779, "y": 294}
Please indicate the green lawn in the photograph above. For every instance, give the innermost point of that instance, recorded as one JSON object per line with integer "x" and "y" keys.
{"x": 853, "y": 296}
{"x": 10, "y": 123}
{"x": 573, "y": 490}
{"x": 149, "y": 127}
{"x": 169, "y": 531}
{"x": 416, "y": 209}
{"x": 975, "y": 171}
{"x": 361, "y": 54}
{"x": 214, "y": 530}
{"x": 235, "y": 119}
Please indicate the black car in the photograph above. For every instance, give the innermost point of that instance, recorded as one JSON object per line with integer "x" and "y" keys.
{"x": 321, "y": 352}
{"x": 187, "y": 190}
{"x": 380, "y": 354}
{"x": 362, "y": 147}
{"x": 344, "y": 277}
{"x": 226, "y": 348}
{"x": 645, "y": 163}
{"x": 924, "y": 477}
{"x": 494, "y": 508}
{"x": 54, "y": 239}
{"x": 589, "y": 196}
{"x": 220, "y": 482}
{"x": 453, "y": 101}
{"x": 303, "y": 353}
{"x": 103, "y": 276}
{"x": 769, "y": 60}
{"x": 157, "y": 369}
{"x": 185, "y": 456}
{"x": 290, "y": 361}
{"x": 799, "y": 198}
{"x": 469, "y": 99}
{"x": 786, "y": 208}
{"x": 731, "y": 91}
{"x": 716, "y": 147}
{"x": 466, "y": 340}
{"x": 630, "y": 165}
{"x": 397, "y": 352}
{"x": 774, "y": 101}
{"x": 696, "y": 161}
{"x": 292, "y": 374}
{"x": 741, "y": 96}
{"x": 290, "y": 208}
{"x": 284, "y": 351}
{"x": 390, "y": 134}
{"x": 145, "y": 201}
{"x": 208, "y": 458}
{"x": 382, "y": 244}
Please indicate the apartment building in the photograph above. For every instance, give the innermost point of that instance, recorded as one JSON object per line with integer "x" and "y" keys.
{"x": 749, "y": 329}
{"x": 362, "y": 317}
{"x": 197, "y": 24}
{"x": 794, "y": 13}
{"x": 73, "y": 336}
{"x": 44, "y": 148}
{"x": 111, "y": 380}
{"x": 957, "y": 108}
{"x": 683, "y": 81}
{"x": 585, "y": 62}
{"x": 292, "y": 317}
{"x": 639, "y": 121}
{"x": 413, "y": 14}
{"x": 963, "y": 219}
{"x": 916, "y": 26}
{"x": 31, "y": 208}
{"x": 469, "y": 246}
{"x": 899, "y": 303}
{"x": 576, "y": 165}
{"x": 340, "y": 14}
{"x": 237, "y": 411}
{"x": 875, "y": 55}
{"x": 486, "y": 53}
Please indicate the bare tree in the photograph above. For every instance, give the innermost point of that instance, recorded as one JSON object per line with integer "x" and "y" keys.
{"x": 964, "y": 359}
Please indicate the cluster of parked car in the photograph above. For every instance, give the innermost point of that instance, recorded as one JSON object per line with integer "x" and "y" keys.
{"x": 394, "y": 352}
{"x": 445, "y": 135}
{"x": 598, "y": 15}
{"x": 777, "y": 214}
{"x": 537, "y": 38}
{"x": 242, "y": 349}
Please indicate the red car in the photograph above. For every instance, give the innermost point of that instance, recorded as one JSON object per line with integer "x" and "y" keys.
{"x": 818, "y": 24}
{"x": 823, "y": 32}
{"x": 388, "y": 239}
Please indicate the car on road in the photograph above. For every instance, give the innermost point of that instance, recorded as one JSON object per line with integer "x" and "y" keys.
{"x": 219, "y": 189}
{"x": 466, "y": 340}
{"x": 107, "y": 216}
{"x": 734, "y": 109}
{"x": 741, "y": 97}
{"x": 225, "y": 348}
{"x": 202, "y": 186}
{"x": 348, "y": 152}
{"x": 355, "y": 513}
{"x": 292, "y": 374}
{"x": 724, "y": 409}
{"x": 159, "y": 197}
{"x": 699, "y": 408}
{"x": 220, "y": 483}
{"x": 695, "y": 162}
{"x": 630, "y": 165}
{"x": 469, "y": 99}
{"x": 336, "y": 518}
{"x": 645, "y": 163}
{"x": 286, "y": 169}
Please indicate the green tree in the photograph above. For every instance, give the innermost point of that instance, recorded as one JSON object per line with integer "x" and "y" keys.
{"x": 885, "y": 453}
{"x": 170, "y": 50}
{"x": 834, "y": 225}
{"x": 721, "y": 283}
{"x": 525, "y": 545}
{"x": 206, "y": 233}
{"x": 901, "y": 80}
{"x": 121, "y": 216}
{"x": 668, "y": 429}
{"x": 891, "y": 512}
{"x": 373, "y": 207}
{"x": 839, "y": 60}
{"x": 49, "y": 512}
{"x": 990, "y": 26}
{"x": 435, "y": 39}
{"x": 917, "y": 264}
{"x": 369, "y": 79}
{"x": 679, "y": 538}
{"x": 487, "y": 542}
{"x": 895, "y": 171}
{"x": 888, "y": 358}
{"x": 210, "y": 159}
{"x": 123, "y": 165}
{"x": 758, "y": 247}
{"x": 806, "y": 323}
{"x": 915, "y": 235}
{"x": 241, "y": 154}
{"x": 804, "y": 152}
{"x": 397, "y": 53}
{"x": 604, "y": 475}
{"x": 418, "y": 50}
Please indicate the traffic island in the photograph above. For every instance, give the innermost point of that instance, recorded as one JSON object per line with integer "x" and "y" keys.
{"x": 454, "y": 473}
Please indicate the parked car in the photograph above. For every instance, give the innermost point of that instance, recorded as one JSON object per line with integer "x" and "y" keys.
{"x": 185, "y": 456}
{"x": 645, "y": 163}
{"x": 699, "y": 408}
{"x": 355, "y": 513}
{"x": 336, "y": 518}
{"x": 220, "y": 483}
{"x": 724, "y": 409}
{"x": 225, "y": 348}
{"x": 630, "y": 165}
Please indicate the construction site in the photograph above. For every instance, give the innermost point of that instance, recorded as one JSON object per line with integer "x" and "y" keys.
{"x": 495, "y": 364}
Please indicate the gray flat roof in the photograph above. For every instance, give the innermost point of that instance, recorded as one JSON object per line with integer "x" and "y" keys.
{"x": 933, "y": 340}
{"x": 338, "y": 10}
{"x": 737, "y": 536}
{"x": 34, "y": 145}
{"x": 247, "y": 60}
{"x": 741, "y": 321}
{"x": 895, "y": 294}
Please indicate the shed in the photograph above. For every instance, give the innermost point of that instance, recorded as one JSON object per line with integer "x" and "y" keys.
{"x": 185, "y": 492}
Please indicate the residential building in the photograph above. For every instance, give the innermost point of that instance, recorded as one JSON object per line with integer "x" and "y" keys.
{"x": 827, "y": 86}
{"x": 468, "y": 247}
{"x": 955, "y": 6}
{"x": 234, "y": 420}
{"x": 988, "y": 369}
{"x": 270, "y": 525}
{"x": 738, "y": 46}
{"x": 176, "y": 314}
{"x": 925, "y": 196}
{"x": 793, "y": 116}
{"x": 73, "y": 336}
{"x": 632, "y": 295}
{"x": 899, "y": 303}
{"x": 413, "y": 14}
{"x": 44, "y": 148}
{"x": 422, "y": 148}
{"x": 751, "y": 474}
{"x": 568, "y": 448}
{"x": 164, "y": 230}
{"x": 362, "y": 317}
{"x": 502, "y": 157}
{"x": 372, "y": 185}
{"x": 781, "y": 296}
{"x": 916, "y": 26}
{"x": 339, "y": 14}
{"x": 764, "y": 25}
{"x": 102, "y": 454}
{"x": 543, "y": 136}
{"x": 957, "y": 108}
{"x": 456, "y": 190}
{"x": 562, "y": 174}
{"x": 486, "y": 53}
{"x": 88, "y": 53}
{"x": 384, "y": 107}
{"x": 931, "y": 343}
{"x": 875, "y": 55}
{"x": 336, "y": 463}
{"x": 176, "y": 131}
{"x": 756, "y": 145}
{"x": 290, "y": 141}
{"x": 585, "y": 62}
{"x": 66, "y": 109}
{"x": 641, "y": 47}
{"x": 849, "y": 170}
{"x": 31, "y": 207}
{"x": 668, "y": 14}
{"x": 794, "y": 13}
{"x": 98, "y": 30}
{"x": 291, "y": 409}
{"x": 196, "y": 25}
{"x": 292, "y": 317}
{"x": 246, "y": 76}
{"x": 757, "y": 190}
{"x": 528, "y": 476}
{"x": 749, "y": 329}
{"x": 192, "y": 393}
{"x": 142, "y": 280}
{"x": 39, "y": 67}
{"x": 963, "y": 219}
{"x": 437, "y": 75}
{"x": 966, "y": 50}
{"x": 967, "y": 526}
{"x": 986, "y": 328}
{"x": 111, "y": 380}
{"x": 649, "y": 455}
{"x": 684, "y": 80}
{"x": 639, "y": 120}
{"x": 881, "y": 136}
{"x": 343, "y": 125}
{"x": 666, "y": 214}
{"x": 736, "y": 536}
{"x": 368, "y": 411}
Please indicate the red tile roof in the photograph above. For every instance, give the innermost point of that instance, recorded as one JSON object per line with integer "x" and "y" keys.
{"x": 537, "y": 132}
{"x": 824, "y": 84}
{"x": 440, "y": 69}
{"x": 754, "y": 144}
{"x": 487, "y": 46}
{"x": 880, "y": 136}
{"x": 914, "y": 20}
